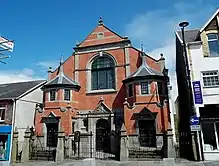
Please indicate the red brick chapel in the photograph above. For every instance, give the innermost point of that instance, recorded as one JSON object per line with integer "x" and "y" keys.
{"x": 104, "y": 83}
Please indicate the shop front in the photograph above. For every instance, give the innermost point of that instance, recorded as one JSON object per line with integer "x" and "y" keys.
{"x": 5, "y": 142}
{"x": 209, "y": 115}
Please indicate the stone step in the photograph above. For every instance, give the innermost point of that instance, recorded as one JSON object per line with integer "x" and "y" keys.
{"x": 145, "y": 154}
{"x": 42, "y": 155}
{"x": 42, "y": 158}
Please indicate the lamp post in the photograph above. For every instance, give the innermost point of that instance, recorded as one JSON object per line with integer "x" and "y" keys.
{"x": 190, "y": 97}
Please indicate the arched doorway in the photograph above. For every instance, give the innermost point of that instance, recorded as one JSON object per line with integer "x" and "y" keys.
{"x": 103, "y": 135}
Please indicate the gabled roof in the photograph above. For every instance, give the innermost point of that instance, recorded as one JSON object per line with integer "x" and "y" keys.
{"x": 61, "y": 80}
{"x": 144, "y": 71}
{"x": 15, "y": 90}
{"x": 208, "y": 22}
{"x": 102, "y": 108}
{"x": 193, "y": 35}
{"x": 145, "y": 113}
{"x": 190, "y": 35}
{"x": 109, "y": 36}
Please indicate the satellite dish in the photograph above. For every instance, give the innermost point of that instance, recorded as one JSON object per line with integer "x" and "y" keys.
{"x": 63, "y": 109}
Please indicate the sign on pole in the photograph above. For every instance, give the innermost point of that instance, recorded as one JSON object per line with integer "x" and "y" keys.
{"x": 6, "y": 44}
{"x": 195, "y": 123}
{"x": 194, "y": 120}
{"x": 197, "y": 92}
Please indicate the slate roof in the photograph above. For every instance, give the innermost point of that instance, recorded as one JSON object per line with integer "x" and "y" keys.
{"x": 190, "y": 35}
{"x": 61, "y": 80}
{"x": 144, "y": 71}
{"x": 14, "y": 90}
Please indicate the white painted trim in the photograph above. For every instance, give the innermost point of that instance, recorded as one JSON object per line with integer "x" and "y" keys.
{"x": 178, "y": 37}
{"x": 216, "y": 136}
{"x": 211, "y": 18}
{"x": 63, "y": 95}
{"x": 52, "y": 114}
{"x": 149, "y": 88}
{"x": 101, "y": 91}
{"x": 55, "y": 95}
{"x": 28, "y": 91}
{"x": 97, "y": 55}
{"x": 12, "y": 127}
{"x": 105, "y": 47}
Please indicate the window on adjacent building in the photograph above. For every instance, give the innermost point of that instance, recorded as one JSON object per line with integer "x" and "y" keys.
{"x": 52, "y": 95}
{"x": 2, "y": 112}
{"x": 67, "y": 94}
{"x": 210, "y": 78}
{"x": 130, "y": 90}
{"x": 144, "y": 88}
{"x": 103, "y": 73}
{"x": 210, "y": 131}
{"x": 213, "y": 43}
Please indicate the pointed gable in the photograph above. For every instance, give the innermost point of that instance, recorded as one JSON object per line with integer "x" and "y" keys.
{"x": 102, "y": 107}
{"x": 212, "y": 22}
{"x": 101, "y": 35}
{"x": 145, "y": 114}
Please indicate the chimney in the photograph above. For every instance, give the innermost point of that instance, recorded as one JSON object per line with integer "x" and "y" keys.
{"x": 49, "y": 73}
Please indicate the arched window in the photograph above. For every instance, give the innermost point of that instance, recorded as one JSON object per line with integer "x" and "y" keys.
{"x": 103, "y": 73}
{"x": 213, "y": 43}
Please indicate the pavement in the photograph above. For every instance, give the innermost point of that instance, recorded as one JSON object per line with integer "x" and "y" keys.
{"x": 93, "y": 162}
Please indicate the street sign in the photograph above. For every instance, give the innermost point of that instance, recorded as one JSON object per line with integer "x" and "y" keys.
{"x": 195, "y": 127}
{"x": 197, "y": 92}
{"x": 194, "y": 120}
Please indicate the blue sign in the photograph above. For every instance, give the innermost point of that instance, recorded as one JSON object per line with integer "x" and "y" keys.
{"x": 5, "y": 129}
{"x": 197, "y": 92}
{"x": 194, "y": 120}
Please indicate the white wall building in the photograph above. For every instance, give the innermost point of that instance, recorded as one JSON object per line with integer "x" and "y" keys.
{"x": 18, "y": 102}
{"x": 203, "y": 54}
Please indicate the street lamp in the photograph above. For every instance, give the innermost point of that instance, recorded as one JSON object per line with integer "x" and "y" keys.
{"x": 183, "y": 25}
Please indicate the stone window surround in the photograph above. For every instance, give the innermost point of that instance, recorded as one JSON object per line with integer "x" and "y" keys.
{"x": 211, "y": 32}
{"x": 149, "y": 88}
{"x": 205, "y": 42}
{"x": 215, "y": 86}
{"x": 88, "y": 73}
{"x": 62, "y": 100}
{"x": 50, "y": 96}
{"x": 63, "y": 94}
{"x": 100, "y": 35}
{"x": 139, "y": 87}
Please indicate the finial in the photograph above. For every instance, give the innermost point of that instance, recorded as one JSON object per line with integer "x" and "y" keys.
{"x": 61, "y": 59}
{"x": 101, "y": 99}
{"x": 77, "y": 44}
{"x": 100, "y": 21}
{"x": 142, "y": 47}
{"x": 50, "y": 69}
{"x": 162, "y": 57}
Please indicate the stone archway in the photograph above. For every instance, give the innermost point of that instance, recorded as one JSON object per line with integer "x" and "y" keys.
{"x": 103, "y": 135}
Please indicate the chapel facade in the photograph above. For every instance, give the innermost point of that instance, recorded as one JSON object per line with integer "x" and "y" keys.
{"x": 106, "y": 83}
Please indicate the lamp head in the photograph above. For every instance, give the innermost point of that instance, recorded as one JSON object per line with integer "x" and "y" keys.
{"x": 183, "y": 24}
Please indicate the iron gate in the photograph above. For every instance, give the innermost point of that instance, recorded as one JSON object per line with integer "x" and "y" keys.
{"x": 83, "y": 146}
{"x": 39, "y": 152}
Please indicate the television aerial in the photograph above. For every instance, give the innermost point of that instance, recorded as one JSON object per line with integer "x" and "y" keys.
{"x": 5, "y": 46}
